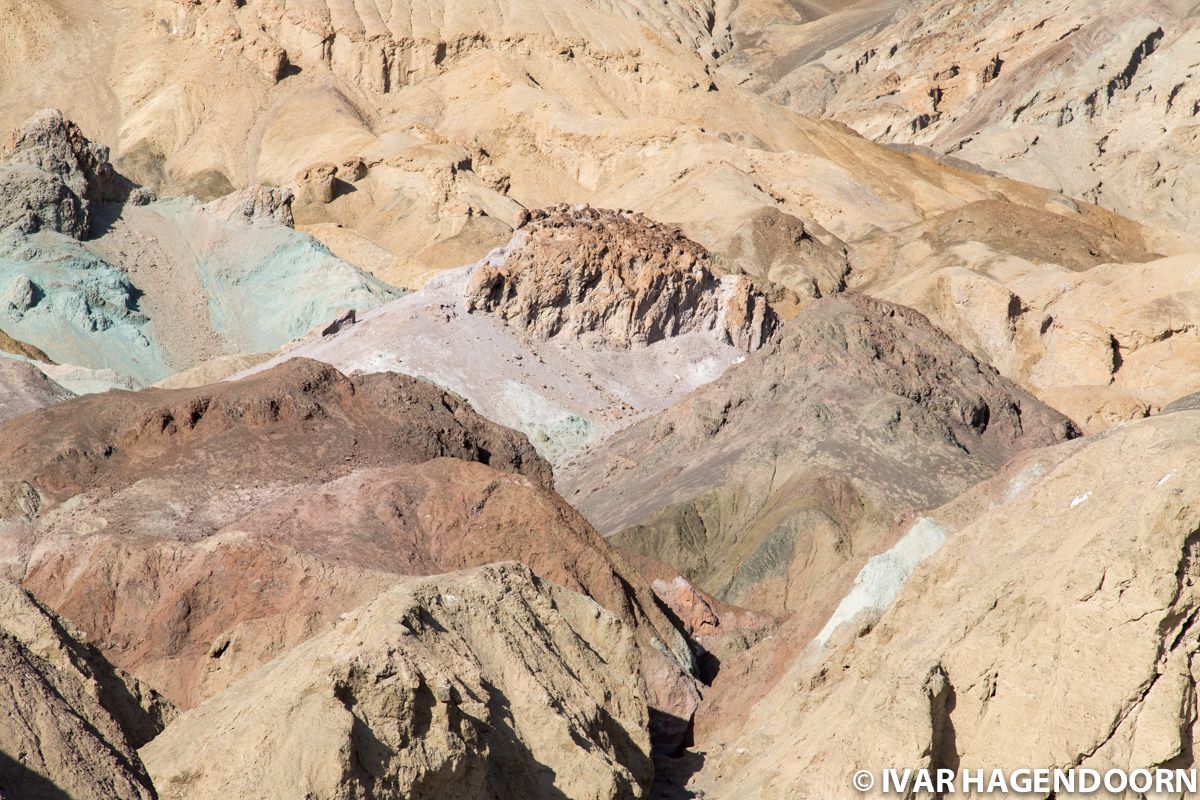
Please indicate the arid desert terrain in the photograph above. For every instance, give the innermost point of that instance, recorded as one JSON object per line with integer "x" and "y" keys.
{"x": 598, "y": 399}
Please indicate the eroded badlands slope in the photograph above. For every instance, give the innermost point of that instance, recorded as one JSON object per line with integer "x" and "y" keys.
{"x": 70, "y": 723}
{"x": 1095, "y": 99}
{"x": 441, "y": 122}
{"x": 197, "y": 533}
{"x": 1090, "y": 569}
{"x": 763, "y": 485}
{"x": 482, "y": 684}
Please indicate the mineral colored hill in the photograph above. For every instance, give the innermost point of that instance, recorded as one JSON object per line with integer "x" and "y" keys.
{"x": 197, "y": 533}
{"x": 70, "y": 723}
{"x": 586, "y": 320}
{"x": 760, "y": 485}
{"x": 472, "y": 685}
{"x": 97, "y": 273}
{"x": 1092, "y": 569}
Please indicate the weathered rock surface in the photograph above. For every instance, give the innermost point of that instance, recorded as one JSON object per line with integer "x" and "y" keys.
{"x": 762, "y": 485}
{"x": 584, "y": 322}
{"x": 197, "y": 533}
{"x": 1091, "y": 569}
{"x": 1079, "y": 315}
{"x": 481, "y": 684}
{"x": 25, "y": 388}
{"x": 51, "y": 174}
{"x": 463, "y": 117}
{"x": 256, "y": 204}
{"x": 70, "y": 723}
{"x": 95, "y": 273}
{"x": 1094, "y": 99}
{"x": 614, "y": 279}
{"x": 13, "y": 347}
{"x": 213, "y": 371}
{"x": 791, "y": 260}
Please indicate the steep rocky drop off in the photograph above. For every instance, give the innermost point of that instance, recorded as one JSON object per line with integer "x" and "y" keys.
{"x": 69, "y": 722}
{"x": 471, "y": 685}
{"x": 615, "y": 280}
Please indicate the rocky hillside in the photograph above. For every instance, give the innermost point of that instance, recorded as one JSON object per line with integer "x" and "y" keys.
{"x": 25, "y": 388}
{"x": 71, "y": 723}
{"x": 761, "y": 486}
{"x": 597, "y": 399}
{"x": 612, "y": 279}
{"x": 1092, "y": 569}
{"x": 95, "y": 272}
{"x": 197, "y": 533}
{"x": 587, "y": 320}
{"x": 1094, "y": 99}
{"x": 482, "y": 684}
{"x": 622, "y": 105}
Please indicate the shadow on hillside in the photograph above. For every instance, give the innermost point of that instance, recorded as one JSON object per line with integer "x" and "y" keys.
{"x": 672, "y": 773}
{"x": 17, "y": 780}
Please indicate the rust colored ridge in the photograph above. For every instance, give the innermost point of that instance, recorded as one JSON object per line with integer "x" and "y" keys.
{"x": 302, "y": 420}
{"x": 210, "y": 529}
{"x": 615, "y": 279}
{"x": 18, "y": 348}
{"x": 192, "y": 617}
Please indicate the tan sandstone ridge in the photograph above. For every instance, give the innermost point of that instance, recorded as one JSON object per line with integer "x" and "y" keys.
{"x": 481, "y": 684}
{"x": 764, "y": 485}
{"x": 587, "y": 320}
{"x": 1094, "y": 99}
{"x": 424, "y": 130}
{"x": 1081, "y": 316}
{"x": 70, "y": 723}
{"x": 1065, "y": 592}
{"x": 197, "y": 533}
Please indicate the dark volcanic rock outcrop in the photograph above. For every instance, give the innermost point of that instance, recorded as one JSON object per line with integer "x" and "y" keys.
{"x": 615, "y": 279}
{"x": 51, "y": 174}
{"x": 799, "y": 460}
